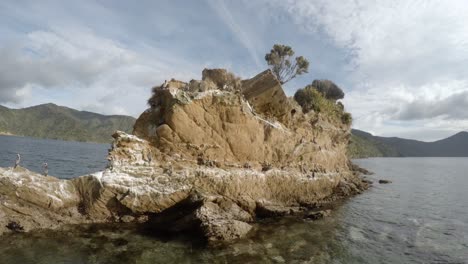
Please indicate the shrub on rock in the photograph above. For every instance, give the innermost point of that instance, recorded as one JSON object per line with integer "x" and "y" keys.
{"x": 328, "y": 89}
{"x": 310, "y": 99}
{"x": 346, "y": 118}
{"x": 222, "y": 79}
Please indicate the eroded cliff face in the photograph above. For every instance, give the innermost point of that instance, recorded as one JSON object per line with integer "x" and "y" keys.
{"x": 253, "y": 123}
{"x": 209, "y": 156}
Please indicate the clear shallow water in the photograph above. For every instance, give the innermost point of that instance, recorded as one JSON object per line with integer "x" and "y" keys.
{"x": 422, "y": 217}
{"x": 66, "y": 159}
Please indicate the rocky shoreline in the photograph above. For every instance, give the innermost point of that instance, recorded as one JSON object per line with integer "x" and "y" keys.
{"x": 209, "y": 157}
{"x": 30, "y": 201}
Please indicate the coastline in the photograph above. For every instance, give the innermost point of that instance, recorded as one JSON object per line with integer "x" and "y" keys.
{"x": 33, "y": 202}
{"x": 209, "y": 157}
{"x": 2, "y": 133}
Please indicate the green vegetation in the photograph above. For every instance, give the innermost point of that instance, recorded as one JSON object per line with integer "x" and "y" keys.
{"x": 364, "y": 145}
{"x": 282, "y": 64}
{"x": 307, "y": 98}
{"x": 310, "y": 99}
{"x": 454, "y": 146}
{"x": 346, "y": 118}
{"x": 57, "y": 122}
{"x": 360, "y": 147}
{"x": 328, "y": 89}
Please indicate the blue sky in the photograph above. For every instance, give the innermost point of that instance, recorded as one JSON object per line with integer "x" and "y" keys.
{"x": 402, "y": 64}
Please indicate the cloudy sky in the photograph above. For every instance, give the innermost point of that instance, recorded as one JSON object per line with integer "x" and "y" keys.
{"x": 402, "y": 64}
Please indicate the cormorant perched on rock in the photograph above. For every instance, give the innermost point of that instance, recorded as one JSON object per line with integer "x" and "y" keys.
{"x": 18, "y": 160}
{"x": 110, "y": 163}
{"x": 165, "y": 84}
{"x": 45, "y": 167}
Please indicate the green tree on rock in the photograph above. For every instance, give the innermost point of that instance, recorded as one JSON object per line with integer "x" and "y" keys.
{"x": 280, "y": 59}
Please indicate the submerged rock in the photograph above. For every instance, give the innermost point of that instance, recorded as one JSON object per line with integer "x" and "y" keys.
{"x": 265, "y": 209}
{"x": 359, "y": 169}
{"x": 315, "y": 215}
{"x": 222, "y": 225}
{"x": 208, "y": 157}
{"x": 384, "y": 181}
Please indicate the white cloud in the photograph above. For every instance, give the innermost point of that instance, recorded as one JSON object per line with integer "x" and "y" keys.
{"x": 403, "y": 53}
{"x": 98, "y": 74}
{"x": 453, "y": 107}
{"x": 58, "y": 59}
{"x": 241, "y": 33}
{"x": 406, "y": 61}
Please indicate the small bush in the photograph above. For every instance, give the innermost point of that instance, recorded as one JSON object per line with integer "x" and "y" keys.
{"x": 154, "y": 99}
{"x": 346, "y": 118}
{"x": 328, "y": 89}
{"x": 222, "y": 79}
{"x": 340, "y": 105}
{"x": 305, "y": 98}
{"x": 310, "y": 99}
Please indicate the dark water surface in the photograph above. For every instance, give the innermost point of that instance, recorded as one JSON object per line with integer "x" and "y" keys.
{"x": 422, "y": 217}
{"x": 66, "y": 159}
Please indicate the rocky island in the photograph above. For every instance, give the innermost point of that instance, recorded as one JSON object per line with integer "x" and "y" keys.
{"x": 209, "y": 156}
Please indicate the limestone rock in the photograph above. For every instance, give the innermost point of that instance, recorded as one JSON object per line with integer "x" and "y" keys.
{"x": 225, "y": 230}
{"x": 216, "y": 218}
{"x": 208, "y": 156}
{"x": 261, "y": 125}
{"x": 222, "y": 224}
{"x": 114, "y": 194}
{"x": 315, "y": 215}
{"x": 265, "y": 209}
{"x": 266, "y": 95}
{"x": 29, "y": 201}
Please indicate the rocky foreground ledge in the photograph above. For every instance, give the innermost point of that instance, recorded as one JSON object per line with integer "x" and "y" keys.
{"x": 209, "y": 157}
{"x": 220, "y": 204}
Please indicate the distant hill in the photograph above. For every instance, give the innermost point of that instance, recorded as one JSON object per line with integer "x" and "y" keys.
{"x": 58, "y": 122}
{"x": 364, "y": 144}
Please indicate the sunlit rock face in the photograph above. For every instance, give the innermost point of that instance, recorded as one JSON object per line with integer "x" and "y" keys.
{"x": 29, "y": 201}
{"x": 208, "y": 156}
{"x": 238, "y": 122}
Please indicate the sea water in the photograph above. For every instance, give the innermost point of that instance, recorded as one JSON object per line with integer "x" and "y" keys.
{"x": 421, "y": 217}
{"x": 65, "y": 159}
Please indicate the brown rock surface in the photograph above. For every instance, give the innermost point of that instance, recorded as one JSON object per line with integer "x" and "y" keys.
{"x": 315, "y": 215}
{"x": 209, "y": 155}
{"x": 34, "y": 201}
{"x": 265, "y": 94}
{"x": 231, "y": 128}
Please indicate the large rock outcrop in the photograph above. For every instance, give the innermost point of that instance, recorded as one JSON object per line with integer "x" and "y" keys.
{"x": 255, "y": 124}
{"x": 209, "y": 156}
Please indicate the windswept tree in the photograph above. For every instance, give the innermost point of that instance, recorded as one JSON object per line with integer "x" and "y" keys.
{"x": 284, "y": 66}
